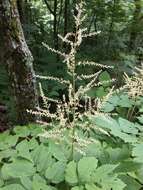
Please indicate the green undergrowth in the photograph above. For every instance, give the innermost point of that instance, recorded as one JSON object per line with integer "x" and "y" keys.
{"x": 112, "y": 162}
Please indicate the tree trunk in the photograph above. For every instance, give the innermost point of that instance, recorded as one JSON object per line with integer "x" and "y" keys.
{"x": 18, "y": 61}
{"x": 136, "y": 22}
{"x": 66, "y": 17}
{"x": 55, "y": 36}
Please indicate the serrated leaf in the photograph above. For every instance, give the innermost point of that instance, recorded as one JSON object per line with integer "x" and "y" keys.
{"x": 57, "y": 151}
{"x": 71, "y": 173}
{"x": 86, "y": 168}
{"x": 103, "y": 171}
{"x": 55, "y": 173}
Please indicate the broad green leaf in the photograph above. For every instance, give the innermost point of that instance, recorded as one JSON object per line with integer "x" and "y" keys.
{"x": 86, "y": 168}
{"x": 117, "y": 155}
{"x": 35, "y": 130}
{"x": 100, "y": 92}
{"x": 91, "y": 187}
{"x": 22, "y": 131}
{"x": 23, "y": 150}
{"x": 7, "y": 141}
{"x": 139, "y": 174}
{"x": 127, "y": 166}
{"x": 104, "y": 77}
{"x": 113, "y": 183}
{"x": 7, "y": 153}
{"x": 56, "y": 172}
{"x": 19, "y": 168}
{"x": 131, "y": 183}
{"x": 140, "y": 119}
{"x": 125, "y": 101}
{"x": 71, "y": 173}
{"x": 78, "y": 188}
{"x": 57, "y": 151}
{"x": 114, "y": 128}
{"x": 103, "y": 172}
{"x": 114, "y": 100}
{"x": 44, "y": 159}
{"x": 127, "y": 126}
{"x": 12, "y": 187}
{"x": 39, "y": 179}
{"x": 107, "y": 107}
{"x": 138, "y": 152}
{"x": 1, "y": 182}
{"x": 26, "y": 182}
{"x": 40, "y": 186}
{"x": 32, "y": 144}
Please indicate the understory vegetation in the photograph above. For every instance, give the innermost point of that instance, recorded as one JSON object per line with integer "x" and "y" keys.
{"x": 88, "y": 131}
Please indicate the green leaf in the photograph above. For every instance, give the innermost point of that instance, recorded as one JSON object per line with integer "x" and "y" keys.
{"x": 57, "y": 151}
{"x": 131, "y": 183}
{"x": 78, "y": 188}
{"x": 19, "y": 168}
{"x": 23, "y": 150}
{"x": 1, "y": 182}
{"x": 127, "y": 166}
{"x": 22, "y": 131}
{"x": 39, "y": 179}
{"x": 140, "y": 119}
{"x": 107, "y": 107}
{"x": 91, "y": 187}
{"x": 104, "y": 76}
{"x": 86, "y": 168}
{"x": 138, "y": 152}
{"x": 71, "y": 173}
{"x": 12, "y": 187}
{"x": 139, "y": 174}
{"x": 100, "y": 92}
{"x": 32, "y": 144}
{"x": 114, "y": 128}
{"x": 127, "y": 126}
{"x": 55, "y": 173}
{"x": 91, "y": 93}
{"x": 117, "y": 155}
{"x": 26, "y": 182}
{"x": 40, "y": 186}
{"x": 114, "y": 100}
{"x": 103, "y": 171}
{"x": 125, "y": 102}
{"x": 7, "y": 153}
{"x": 35, "y": 130}
{"x": 44, "y": 159}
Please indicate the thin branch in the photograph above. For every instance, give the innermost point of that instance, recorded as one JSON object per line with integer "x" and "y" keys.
{"x": 49, "y": 8}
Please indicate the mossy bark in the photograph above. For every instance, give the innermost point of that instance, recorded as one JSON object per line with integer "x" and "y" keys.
{"x": 18, "y": 60}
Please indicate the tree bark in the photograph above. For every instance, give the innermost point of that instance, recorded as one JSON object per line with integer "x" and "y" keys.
{"x": 136, "y": 22}
{"x": 18, "y": 61}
